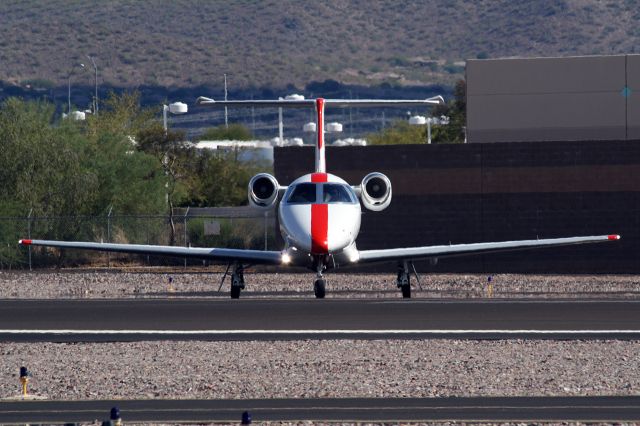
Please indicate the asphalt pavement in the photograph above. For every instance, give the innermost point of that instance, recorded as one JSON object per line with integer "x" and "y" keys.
{"x": 269, "y": 319}
{"x": 477, "y": 409}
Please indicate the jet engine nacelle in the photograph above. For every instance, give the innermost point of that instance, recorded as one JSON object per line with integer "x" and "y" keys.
{"x": 263, "y": 191}
{"x": 375, "y": 191}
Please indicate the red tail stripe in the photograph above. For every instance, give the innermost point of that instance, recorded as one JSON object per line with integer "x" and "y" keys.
{"x": 320, "y": 110}
{"x": 318, "y": 177}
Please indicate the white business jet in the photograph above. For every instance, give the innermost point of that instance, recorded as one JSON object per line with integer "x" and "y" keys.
{"x": 319, "y": 216}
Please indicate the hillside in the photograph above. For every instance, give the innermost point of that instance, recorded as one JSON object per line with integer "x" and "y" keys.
{"x": 276, "y": 43}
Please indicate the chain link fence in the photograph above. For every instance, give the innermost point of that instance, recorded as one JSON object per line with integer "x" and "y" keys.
{"x": 230, "y": 227}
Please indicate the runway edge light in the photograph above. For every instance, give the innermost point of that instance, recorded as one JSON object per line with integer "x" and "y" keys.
{"x": 24, "y": 380}
{"x": 115, "y": 416}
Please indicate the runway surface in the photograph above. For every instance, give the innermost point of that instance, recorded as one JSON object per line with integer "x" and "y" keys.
{"x": 520, "y": 409}
{"x": 269, "y": 319}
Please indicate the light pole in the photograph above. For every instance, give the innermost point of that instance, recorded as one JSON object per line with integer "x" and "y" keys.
{"x": 293, "y": 97}
{"x": 69, "y": 87}
{"x": 174, "y": 108}
{"x": 420, "y": 120}
{"x": 95, "y": 99}
{"x": 226, "y": 117}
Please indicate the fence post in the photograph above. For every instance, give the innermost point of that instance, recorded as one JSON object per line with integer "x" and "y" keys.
{"x": 266, "y": 213}
{"x": 109, "y": 235}
{"x": 29, "y": 235}
{"x": 186, "y": 213}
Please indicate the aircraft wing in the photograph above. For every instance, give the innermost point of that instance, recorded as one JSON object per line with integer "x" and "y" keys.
{"x": 224, "y": 254}
{"x": 412, "y": 253}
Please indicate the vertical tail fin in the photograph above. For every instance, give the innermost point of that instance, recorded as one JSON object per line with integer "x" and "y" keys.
{"x": 321, "y": 166}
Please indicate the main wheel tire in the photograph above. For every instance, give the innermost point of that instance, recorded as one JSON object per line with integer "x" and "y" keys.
{"x": 235, "y": 291}
{"x": 319, "y": 287}
{"x": 406, "y": 291}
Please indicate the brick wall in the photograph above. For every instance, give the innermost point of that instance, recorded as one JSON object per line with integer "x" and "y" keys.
{"x": 495, "y": 192}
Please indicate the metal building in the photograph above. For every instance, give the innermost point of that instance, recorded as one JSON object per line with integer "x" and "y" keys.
{"x": 553, "y": 99}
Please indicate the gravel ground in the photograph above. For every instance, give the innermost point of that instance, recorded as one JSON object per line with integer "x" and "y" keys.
{"x": 110, "y": 284}
{"x": 309, "y": 369}
{"x": 329, "y": 368}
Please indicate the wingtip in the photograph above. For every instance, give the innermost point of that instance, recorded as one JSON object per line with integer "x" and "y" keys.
{"x": 614, "y": 237}
{"x": 24, "y": 242}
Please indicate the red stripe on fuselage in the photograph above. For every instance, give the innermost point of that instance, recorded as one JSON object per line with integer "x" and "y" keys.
{"x": 319, "y": 228}
{"x": 319, "y": 221}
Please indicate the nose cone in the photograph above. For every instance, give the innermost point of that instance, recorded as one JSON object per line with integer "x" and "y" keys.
{"x": 320, "y": 228}
{"x": 307, "y": 227}
{"x": 343, "y": 226}
{"x": 295, "y": 223}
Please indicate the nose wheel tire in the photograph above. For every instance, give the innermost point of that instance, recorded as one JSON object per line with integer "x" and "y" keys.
{"x": 319, "y": 288}
{"x": 406, "y": 291}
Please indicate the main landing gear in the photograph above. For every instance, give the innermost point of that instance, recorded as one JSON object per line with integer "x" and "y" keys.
{"x": 404, "y": 278}
{"x": 237, "y": 280}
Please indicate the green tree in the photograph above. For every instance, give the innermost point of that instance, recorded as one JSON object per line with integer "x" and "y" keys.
{"x": 175, "y": 156}
{"x": 41, "y": 168}
{"x": 235, "y": 132}
{"x": 41, "y": 171}
{"x": 131, "y": 180}
{"x": 65, "y": 170}
{"x": 121, "y": 115}
{"x": 456, "y": 110}
{"x": 399, "y": 133}
{"x": 222, "y": 179}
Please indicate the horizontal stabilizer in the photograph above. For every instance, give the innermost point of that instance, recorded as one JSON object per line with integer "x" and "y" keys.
{"x": 310, "y": 103}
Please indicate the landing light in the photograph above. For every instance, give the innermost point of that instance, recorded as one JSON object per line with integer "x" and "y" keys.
{"x": 286, "y": 259}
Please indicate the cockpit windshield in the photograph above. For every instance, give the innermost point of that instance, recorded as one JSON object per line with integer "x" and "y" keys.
{"x": 303, "y": 193}
{"x": 335, "y": 193}
{"x": 306, "y": 193}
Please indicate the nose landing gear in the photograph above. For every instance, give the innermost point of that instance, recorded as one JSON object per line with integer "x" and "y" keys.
{"x": 319, "y": 285}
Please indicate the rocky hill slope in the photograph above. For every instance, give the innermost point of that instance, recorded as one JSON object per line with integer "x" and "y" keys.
{"x": 280, "y": 43}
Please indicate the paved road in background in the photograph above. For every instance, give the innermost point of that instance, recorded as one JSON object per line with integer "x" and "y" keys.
{"x": 182, "y": 319}
{"x": 486, "y": 409}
